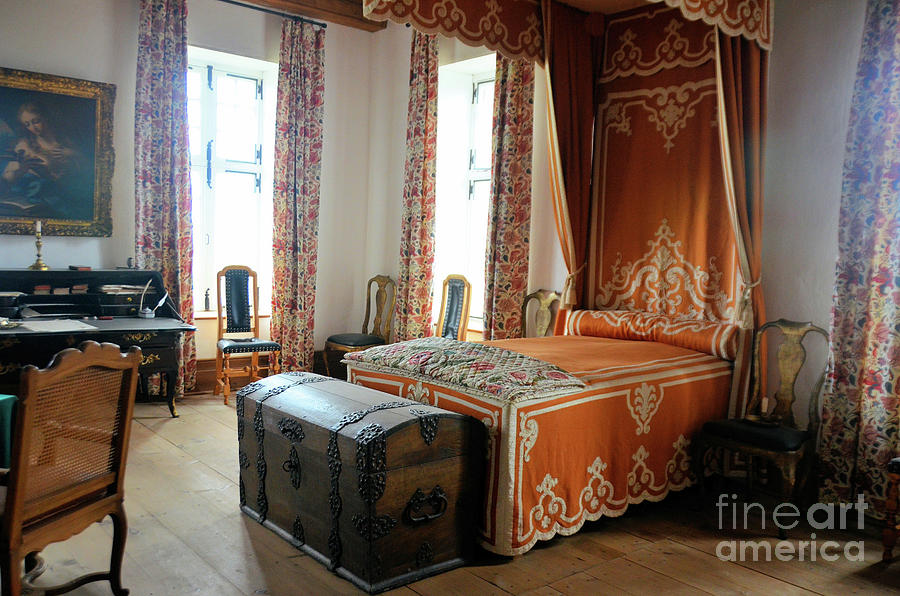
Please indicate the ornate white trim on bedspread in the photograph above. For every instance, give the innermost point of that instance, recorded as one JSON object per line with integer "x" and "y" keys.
{"x": 486, "y": 371}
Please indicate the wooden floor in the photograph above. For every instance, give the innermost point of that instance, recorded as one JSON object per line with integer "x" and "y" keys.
{"x": 187, "y": 536}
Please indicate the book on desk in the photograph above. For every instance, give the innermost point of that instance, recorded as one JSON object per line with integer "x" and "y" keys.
{"x": 104, "y": 307}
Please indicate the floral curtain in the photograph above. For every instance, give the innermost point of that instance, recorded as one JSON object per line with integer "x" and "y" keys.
{"x": 417, "y": 224}
{"x": 509, "y": 218}
{"x": 860, "y": 414}
{"x": 298, "y": 163}
{"x": 162, "y": 193}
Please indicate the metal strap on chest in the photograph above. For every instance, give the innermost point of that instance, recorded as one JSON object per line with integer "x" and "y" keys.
{"x": 262, "y": 501}
{"x": 334, "y": 468}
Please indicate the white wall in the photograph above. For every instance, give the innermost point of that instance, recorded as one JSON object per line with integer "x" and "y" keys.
{"x": 365, "y": 119}
{"x": 811, "y": 76}
{"x": 94, "y": 40}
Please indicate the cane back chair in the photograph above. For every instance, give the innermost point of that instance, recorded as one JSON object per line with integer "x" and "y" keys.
{"x": 67, "y": 469}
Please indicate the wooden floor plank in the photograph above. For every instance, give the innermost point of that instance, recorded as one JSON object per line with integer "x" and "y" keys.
{"x": 706, "y": 572}
{"x": 459, "y": 582}
{"x": 626, "y": 577}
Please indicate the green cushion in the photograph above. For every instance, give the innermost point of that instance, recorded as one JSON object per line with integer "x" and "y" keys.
{"x": 356, "y": 340}
{"x": 776, "y": 438}
{"x": 7, "y": 418}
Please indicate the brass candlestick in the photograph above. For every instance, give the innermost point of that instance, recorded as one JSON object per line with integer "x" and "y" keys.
{"x": 39, "y": 264}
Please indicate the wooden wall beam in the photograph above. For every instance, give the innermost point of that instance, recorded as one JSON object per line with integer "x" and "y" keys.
{"x": 342, "y": 12}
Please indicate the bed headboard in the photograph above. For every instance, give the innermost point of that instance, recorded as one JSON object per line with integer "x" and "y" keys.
{"x": 663, "y": 281}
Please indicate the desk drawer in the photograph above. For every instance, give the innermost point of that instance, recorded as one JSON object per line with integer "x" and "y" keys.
{"x": 142, "y": 339}
{"x": 157, "y": 359}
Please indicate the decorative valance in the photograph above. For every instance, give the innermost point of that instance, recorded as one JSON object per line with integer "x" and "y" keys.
{"x": 511, "y": 27}
{"x": 514, "y": 27}
{"x": 751, "y": 19}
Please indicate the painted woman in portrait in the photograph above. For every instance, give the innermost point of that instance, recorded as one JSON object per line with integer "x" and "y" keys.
{"x": 42, "y": 173}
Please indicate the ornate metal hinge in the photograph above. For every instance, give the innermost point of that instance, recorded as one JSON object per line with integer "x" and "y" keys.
{"x": 428, "y": 423}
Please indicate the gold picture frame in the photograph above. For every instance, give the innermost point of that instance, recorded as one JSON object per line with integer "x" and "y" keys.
{"x": 56, "y": 154}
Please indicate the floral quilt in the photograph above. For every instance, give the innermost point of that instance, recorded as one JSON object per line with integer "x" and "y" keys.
{"x": 495, "y": 372}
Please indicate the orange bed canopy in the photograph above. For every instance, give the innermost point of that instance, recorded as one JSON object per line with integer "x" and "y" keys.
{"x": 515, "y": 27}
{"x": 656, "y": 113}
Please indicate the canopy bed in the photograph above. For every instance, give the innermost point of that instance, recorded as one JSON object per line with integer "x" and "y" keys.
{"x": 656, "y": 116}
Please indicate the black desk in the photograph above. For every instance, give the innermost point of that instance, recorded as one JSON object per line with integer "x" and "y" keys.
{"x": 157, "y": 338}
{"x": 106, "y": 300}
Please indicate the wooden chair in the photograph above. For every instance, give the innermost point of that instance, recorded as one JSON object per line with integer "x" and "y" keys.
{"x": 385, "y": 297}
{"x": 771, "y": 437}
{"x": 544, "y": 316}
{"x": 241, "y": 316}
{"x": 69, "y": 448}
{"x": 891, "y": 504}
{"x": 453, "y": 320}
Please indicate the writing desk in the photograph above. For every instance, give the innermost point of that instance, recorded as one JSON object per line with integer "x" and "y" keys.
{"x": 159, "y": 340}
{"x": 69, "y": 314}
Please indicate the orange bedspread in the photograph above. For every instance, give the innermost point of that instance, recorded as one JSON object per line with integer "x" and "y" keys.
{"x": 555, "y": 463}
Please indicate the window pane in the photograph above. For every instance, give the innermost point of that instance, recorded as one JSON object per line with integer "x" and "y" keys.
{"x": 198, "y": 221}
{"x": 236, "y": 220}
{"x": 483, "y": 125}
{"x": 237, "y": 118}
{"x": 194, "y": 83}
{"x": 477, "y": 242}
{"x": 195, "y": 113}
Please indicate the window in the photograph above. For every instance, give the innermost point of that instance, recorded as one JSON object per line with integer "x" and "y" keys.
{"x": 231, "y": 123}
{"x": 465, "y": 95}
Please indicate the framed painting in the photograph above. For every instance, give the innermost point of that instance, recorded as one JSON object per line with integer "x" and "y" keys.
{"x": 56, "y": 154}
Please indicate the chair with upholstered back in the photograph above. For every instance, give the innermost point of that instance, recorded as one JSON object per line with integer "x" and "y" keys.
{"x": 769, "y": 435}
{"x": 67, "y": 469}
{"x": 238, "y": 286}
{"x": 544, "y": 314}
{"x": 382, "y": 316}
{"x": 453, "y": 320}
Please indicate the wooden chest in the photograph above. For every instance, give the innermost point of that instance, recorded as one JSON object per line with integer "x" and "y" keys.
{"x": 382, "y": 490}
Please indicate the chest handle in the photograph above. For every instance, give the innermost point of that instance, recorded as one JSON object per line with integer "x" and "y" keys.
{"x": 417, "y": 509}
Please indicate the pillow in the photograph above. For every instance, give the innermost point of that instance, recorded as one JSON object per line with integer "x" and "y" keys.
{"x": 717, "y": 339}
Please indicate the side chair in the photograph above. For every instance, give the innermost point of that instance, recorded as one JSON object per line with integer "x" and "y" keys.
{"x": 768, "y": 438}
{"x": 67, "y": 470}
{"x": 453, "y": 320}
{"x": 238, "y": 283}
{"x": 544, "y": 315}
{"x": 382, "y": 315}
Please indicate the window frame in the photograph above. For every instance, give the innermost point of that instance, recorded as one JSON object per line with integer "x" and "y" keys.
{"x": 211, "y": 65}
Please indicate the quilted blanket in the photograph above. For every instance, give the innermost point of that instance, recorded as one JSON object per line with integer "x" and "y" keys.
{"x": 494, "y": 372}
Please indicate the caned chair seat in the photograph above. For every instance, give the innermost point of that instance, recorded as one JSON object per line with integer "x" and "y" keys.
{"x": 356, "y": 340}
{"x": 765, "y": 436}
{"x": 253, "y": 344}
